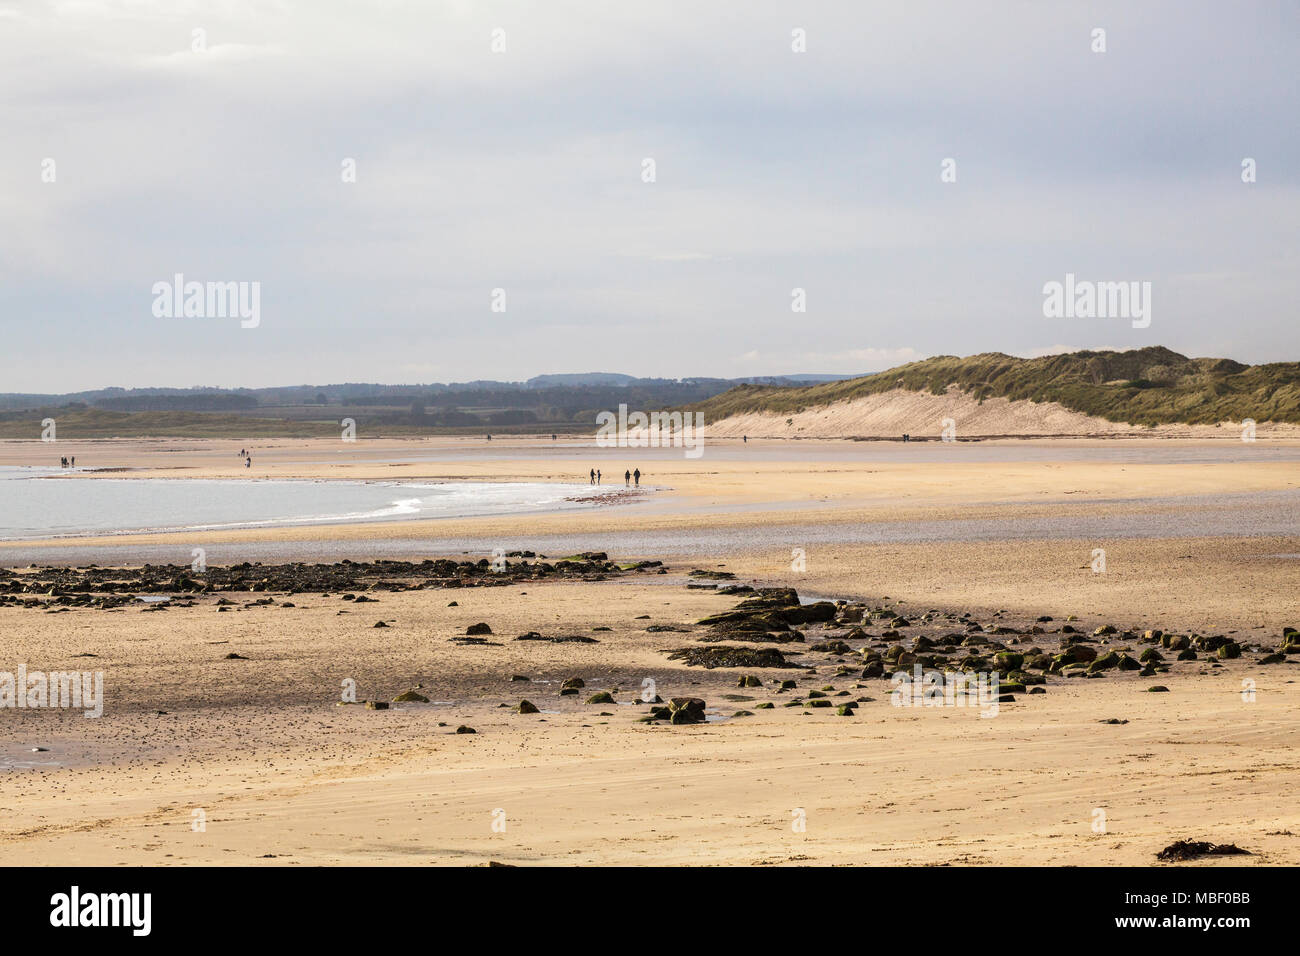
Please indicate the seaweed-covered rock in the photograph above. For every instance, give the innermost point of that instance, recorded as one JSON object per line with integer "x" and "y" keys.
{"x": 1211, "y": 642}
{"x": 527, "y": 707}
{"x": 1105, "y": 662}
{"x": 476, "y": 630}
{"x": 1079, "y": 652}
{"x": 771, "y": 609}
{"x": 1009, "y": 660}
{"x": 680, "y": 710}
{"x": 1191, "y": 849}
{"x": 1026, "y": 678}
{"x": 723, "y": 655}
{"x": 601, "y": 697}
{"x": 831, "y": 647}
{"x": 410, "y": 697}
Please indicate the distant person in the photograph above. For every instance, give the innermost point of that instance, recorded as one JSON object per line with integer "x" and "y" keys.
{"x": 593, "y": 476}
{"x": 489, "y": 437}
{"x": 627, "y": 477}
{"x": 745, "y": 439}
{"x": 636, "y": 475}
{"x": 72, "y": 462}
{"x": 248, "y": 462}
{"x": 553, "y": 437}
{"x": 597, "y": 476}
{"x": 63, "y": 463}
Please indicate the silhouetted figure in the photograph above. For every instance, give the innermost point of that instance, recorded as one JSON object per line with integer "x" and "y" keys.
{"x": 489, "y": 437}
{"x": 63, "y": 463}
{"x": 637, "y": 476}
{"x": 745, "y": 439}
{"x": 597, "y": 476}
{"x": 593, "y": 476}
{"x": 248, "y": 462}
{"x": 627, "y": 477}
{"x": 553, "y": 438}
{"x": 72, "y": 462}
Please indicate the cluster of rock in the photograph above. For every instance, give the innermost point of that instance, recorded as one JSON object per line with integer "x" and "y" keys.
{"x": 945, "y": 641}
{"x": 680, "y": 710}
{"x": 95, "y": 587}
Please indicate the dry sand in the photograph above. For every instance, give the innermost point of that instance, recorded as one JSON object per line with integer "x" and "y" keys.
{"x": 286, "y": 777}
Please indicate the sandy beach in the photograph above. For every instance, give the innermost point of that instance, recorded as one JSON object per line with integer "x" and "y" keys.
{"x": 1199, "y": 540}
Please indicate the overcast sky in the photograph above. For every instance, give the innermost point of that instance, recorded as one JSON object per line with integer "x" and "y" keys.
{"x": 522, "y": 170}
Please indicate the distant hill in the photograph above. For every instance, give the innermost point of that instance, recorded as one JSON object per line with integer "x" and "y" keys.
{"x": 580, "y": 378}
{"x": 1143, "y": 387}
{"x": 546, "y": 404}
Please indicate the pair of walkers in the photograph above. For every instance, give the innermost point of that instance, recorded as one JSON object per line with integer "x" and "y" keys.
{"x": 628, "y": 477}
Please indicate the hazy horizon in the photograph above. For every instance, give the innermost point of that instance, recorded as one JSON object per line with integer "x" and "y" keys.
{"x": 502, "y": 146}
{"x": 825, "y": 376}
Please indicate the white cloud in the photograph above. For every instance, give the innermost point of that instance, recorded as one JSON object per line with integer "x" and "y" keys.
{"x": 522, "y": 170}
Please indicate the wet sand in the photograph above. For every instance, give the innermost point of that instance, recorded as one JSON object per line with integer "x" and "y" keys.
{"x": 1199, "y": 543}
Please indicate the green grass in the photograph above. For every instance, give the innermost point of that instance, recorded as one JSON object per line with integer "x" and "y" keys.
{"x": 1151, "y": 386}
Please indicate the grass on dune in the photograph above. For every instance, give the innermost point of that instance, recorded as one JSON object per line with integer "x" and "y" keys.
{"x": 1150, "y": 386}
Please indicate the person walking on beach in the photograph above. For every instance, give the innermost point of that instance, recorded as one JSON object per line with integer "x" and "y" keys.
{"x": 72, "y": 462}
{"x": 597, "y": 476}
{"x": 593, "y": 476}
{"x": 248, "y": 462}
{"x": 637, "y": 475}
{"x": 627, "y": 477}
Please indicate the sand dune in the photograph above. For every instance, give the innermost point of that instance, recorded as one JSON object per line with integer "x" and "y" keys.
{"x": 923, "y": 414}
